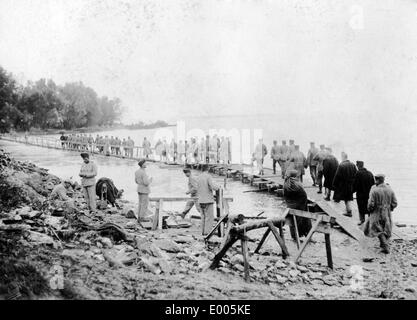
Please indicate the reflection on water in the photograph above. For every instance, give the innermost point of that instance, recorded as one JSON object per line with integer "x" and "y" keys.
{"x": 169, "y": 182}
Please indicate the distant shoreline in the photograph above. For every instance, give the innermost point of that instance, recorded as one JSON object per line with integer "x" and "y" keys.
{"x": 92, "y": 129}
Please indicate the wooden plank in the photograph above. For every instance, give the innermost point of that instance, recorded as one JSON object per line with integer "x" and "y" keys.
{"x": 310, "y": 215}
{"x": 347, "y": 224}
{"x": 174, "y": 199}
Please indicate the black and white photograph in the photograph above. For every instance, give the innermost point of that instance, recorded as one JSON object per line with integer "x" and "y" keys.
{"x": 208, "y": 150}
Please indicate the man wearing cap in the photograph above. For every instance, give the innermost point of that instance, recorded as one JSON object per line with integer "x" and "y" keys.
{"x": 205, "y": 188}
{"x": 319, "y": 157}
{"x": 88, "y": 174}
{"x": 283, "y": 157}
{"x": 330, "y": 165}
{"x": 143, "y": 189}
{"x": 312, "y": 164}
{"x": 364, "y": 180}
{"x": 381, "y": 202}
{"x": 59, "y": 192}
{"x": 298, "y": 162}
{"x": 275, "y": 155}
{"x": 343, "y": 183}
{"x": 192, "y": 191}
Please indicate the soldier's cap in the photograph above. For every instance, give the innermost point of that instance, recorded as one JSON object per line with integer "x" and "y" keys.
{"x": 322, "y": 146}
{"x": 186, "y": 170}
{"x": 297, "y": 146}
{"x": 141, "y": 162}
{"x": 379, "y": 176}
{"x": 291, "y": 140}
{"x": 84, "y": 155}
{"x": 359, "y": 163}
{"x": 312, "y": 142}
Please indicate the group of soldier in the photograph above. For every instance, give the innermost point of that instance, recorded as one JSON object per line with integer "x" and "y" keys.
{"x": 374, "y": 197}
{"x": 101, "y": 144}
{"x": 208, "y": 150}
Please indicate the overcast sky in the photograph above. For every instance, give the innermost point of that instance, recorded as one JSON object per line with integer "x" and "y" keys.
{"x": 166, "y": 59}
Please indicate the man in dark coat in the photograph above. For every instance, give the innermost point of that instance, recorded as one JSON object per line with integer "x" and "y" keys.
{"x": 296, "y": 198}
{"x": 364, "y": 180}
{"x": 343, "y": 183}
{"x": 330, "y": 165}
{"x": 381, "y": 203}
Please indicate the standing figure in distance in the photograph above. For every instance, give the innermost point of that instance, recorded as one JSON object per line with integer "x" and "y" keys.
{"x": 88, "y": 174}
{"x": 382, "y": 202}
{"x": 312, "y": 152}
{"x": 343, "y": 183}
{"x": 362, "y": 185}
{"x": 143, "y": 189}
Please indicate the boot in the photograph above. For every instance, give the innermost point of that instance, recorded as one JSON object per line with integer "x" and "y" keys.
{"x": 319, "y": 190}
{"x": 383, "y": 244}
{"x": 348, "y": 214}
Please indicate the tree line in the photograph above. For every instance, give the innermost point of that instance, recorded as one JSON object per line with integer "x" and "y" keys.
{"x": 46, "y": 105}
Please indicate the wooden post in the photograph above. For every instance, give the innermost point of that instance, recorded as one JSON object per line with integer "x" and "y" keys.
{"x": 328, "y": 250}
{"x": 281, "y": 243}
{"x": 156, "y": 217}
{"x": 297, "y": 235}
{"x": 264, "y": 237}
{"x": 219, "y": 207}
{"x": 244, "y": 245}
{"x": 160, "y": 216}
{"x": 218, "y": 225}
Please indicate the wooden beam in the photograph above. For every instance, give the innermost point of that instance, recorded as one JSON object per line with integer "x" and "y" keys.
{"x": 160, "y": 216}
{"x": 297, "y": 236}
{"x": 308, "y": 238}
{"x": 175, "y": 199}
{"x": 328, "y": 251}
{"x": 310, "y": 215}
{"x": 264, "y": 237}
{"x": 256, "y": 225}
{"x": 222, "y": 219}
{"x": 280, "y": 241}
{"x": 244, "y": 245}
{"x": 156, "y": 217}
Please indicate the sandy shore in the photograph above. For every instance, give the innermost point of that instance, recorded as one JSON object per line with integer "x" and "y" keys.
{"x": 109, "y": 256}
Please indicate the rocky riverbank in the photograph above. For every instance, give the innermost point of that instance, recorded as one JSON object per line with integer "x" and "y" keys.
{"x": 52, "y": 251}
